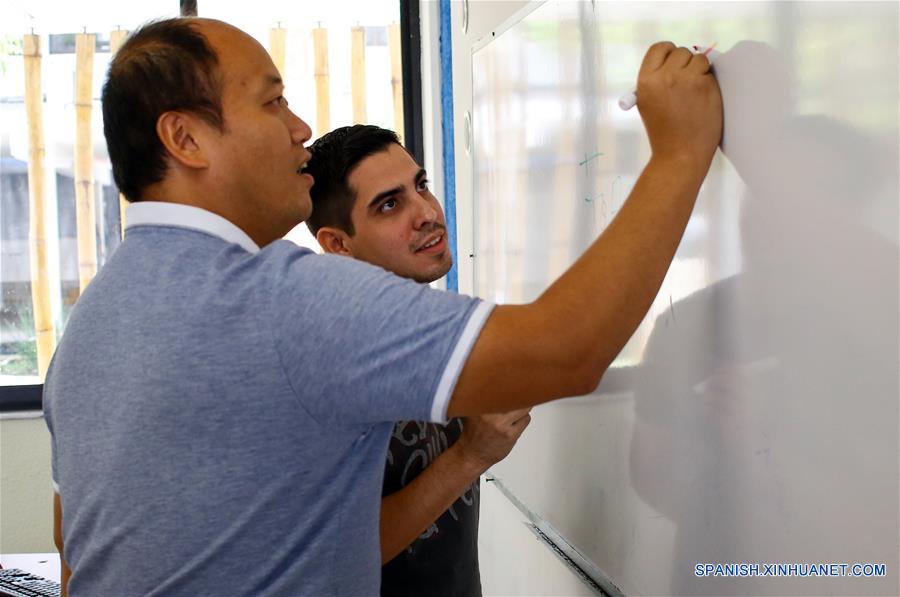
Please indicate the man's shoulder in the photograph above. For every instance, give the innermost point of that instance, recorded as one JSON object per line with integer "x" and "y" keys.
{"x": 284, "y": 252}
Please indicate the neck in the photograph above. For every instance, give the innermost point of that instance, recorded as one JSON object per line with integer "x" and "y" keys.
{"x": 211, "y": 201}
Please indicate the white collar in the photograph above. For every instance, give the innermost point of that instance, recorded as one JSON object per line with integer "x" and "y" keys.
{"x": 161, "y": 213}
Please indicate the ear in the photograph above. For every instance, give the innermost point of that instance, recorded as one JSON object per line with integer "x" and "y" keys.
{"x": 334, "y": 240}
{"x": 179, "y": 135}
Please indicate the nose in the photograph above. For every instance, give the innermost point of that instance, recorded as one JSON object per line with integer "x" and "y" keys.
{"x": 426, "y": 212}
{"x": 300, "y": 131}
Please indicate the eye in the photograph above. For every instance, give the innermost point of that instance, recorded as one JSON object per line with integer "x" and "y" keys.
{"x": 388, "y": 205}
{"x": 280, "y": 101}
{"x": 422, "y": 185}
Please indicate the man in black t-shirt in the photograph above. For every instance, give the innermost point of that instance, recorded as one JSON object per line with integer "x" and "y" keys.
{"x": 371, "y": 202}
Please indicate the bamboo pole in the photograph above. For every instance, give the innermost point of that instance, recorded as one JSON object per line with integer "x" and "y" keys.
{"x": 323, "y": 100}
{"x": 277, "y": 44}
{"x": 84, "y": 183}
{"x": 116, "y": 39}
{"x": 396, "y": 77}
{"x": 45, "y": 337}
{"x": 358, "y": 74}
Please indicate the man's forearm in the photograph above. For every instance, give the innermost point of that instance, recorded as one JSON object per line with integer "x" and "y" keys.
{"x": 405, "y": 514}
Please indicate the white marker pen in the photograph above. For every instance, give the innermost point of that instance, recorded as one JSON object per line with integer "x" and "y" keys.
{"x": 628, "y": 101}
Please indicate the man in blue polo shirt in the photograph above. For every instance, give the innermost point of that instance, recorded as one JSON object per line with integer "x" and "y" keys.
{"x": 221, "y": 401}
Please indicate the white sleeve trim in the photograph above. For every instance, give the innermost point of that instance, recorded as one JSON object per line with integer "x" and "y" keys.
{"x": 55, "y": 486}
{"x": 457, "y": 360}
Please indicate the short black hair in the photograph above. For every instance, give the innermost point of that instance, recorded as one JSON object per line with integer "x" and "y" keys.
{"x": 164, "y": 65}
{"x": 334, "y": 156}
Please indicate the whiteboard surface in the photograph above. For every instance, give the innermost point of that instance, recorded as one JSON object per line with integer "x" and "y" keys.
{"x": 753, "y": 416}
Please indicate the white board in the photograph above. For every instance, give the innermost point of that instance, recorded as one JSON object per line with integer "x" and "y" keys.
{"x": 753, "y": 416}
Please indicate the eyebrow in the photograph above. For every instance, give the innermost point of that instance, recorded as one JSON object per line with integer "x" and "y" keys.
{"x": 270, "y": 81}
{"x": 393, "y": 191}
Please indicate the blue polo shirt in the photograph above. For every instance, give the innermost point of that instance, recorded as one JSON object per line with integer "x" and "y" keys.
{"x": 220, "y": 414}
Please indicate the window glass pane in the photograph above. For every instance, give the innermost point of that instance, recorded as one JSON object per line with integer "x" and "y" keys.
{"x": 55, "y": 25}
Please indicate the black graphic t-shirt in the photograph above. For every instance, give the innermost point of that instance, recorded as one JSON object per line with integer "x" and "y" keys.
{"x": 444, "y": 559}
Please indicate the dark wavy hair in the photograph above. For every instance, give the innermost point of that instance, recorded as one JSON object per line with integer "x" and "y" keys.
{"x": 164, "y": 65}
{"x": 334, "y": 156}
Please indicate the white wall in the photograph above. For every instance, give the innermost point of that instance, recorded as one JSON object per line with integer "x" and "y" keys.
{"x": 26, "y": 493}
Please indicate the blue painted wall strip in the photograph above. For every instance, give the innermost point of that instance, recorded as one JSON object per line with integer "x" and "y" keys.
{"x": 447, "y": 135}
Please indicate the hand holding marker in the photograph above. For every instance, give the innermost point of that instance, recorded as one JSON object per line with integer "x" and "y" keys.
{"x": 628, "y": 101}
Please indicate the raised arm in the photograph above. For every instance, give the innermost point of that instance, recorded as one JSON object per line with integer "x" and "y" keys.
{"x": 561, "y": 344}
{"x": 485, "y": 440}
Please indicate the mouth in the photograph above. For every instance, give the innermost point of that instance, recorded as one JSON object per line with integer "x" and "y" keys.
{"x": 301, "y": 169}
{"x": 433, "y": 244}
